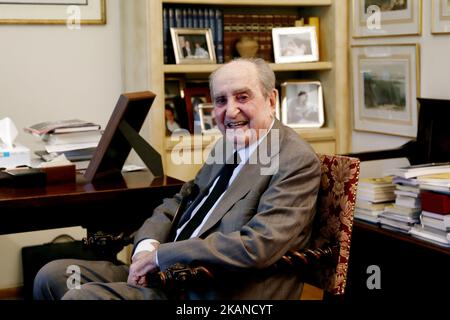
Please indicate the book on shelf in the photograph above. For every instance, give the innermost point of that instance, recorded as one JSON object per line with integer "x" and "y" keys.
{"x": 371, "y": 206}
{"x": 442, "y": 224}
{"x": 398, "y": 217}
{"x": 72, "y": 137}
{"x": 421, "y": 170}
{"x": 72, "y": 155}
{"x": 408, "y": 202}
{"x": 430, "y": 235}
{"x": 435, "y": 202}
{"x": 404, "y": 211}
{"x": 61, "y": 126}
{"x": 400, "y": 225}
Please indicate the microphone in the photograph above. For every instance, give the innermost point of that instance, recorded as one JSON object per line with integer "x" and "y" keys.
{"x": 189, "y": 192}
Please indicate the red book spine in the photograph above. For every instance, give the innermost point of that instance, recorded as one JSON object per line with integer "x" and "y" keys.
{"x": 435, "y": 202}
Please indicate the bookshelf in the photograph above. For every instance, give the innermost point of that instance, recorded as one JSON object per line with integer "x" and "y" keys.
{"x": 144, "y": 69}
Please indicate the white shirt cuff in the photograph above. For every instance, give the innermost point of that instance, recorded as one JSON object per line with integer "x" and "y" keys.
{"x": 146, "y": 245}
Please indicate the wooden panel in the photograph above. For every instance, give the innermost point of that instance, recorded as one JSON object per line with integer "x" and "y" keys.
{"x": 325, "y": 147}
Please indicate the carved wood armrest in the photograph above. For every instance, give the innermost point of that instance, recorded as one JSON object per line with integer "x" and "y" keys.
{"x": 180, "y": 277}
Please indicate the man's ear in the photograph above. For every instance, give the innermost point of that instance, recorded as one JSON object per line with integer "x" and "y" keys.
{"x": 273, "y": 98}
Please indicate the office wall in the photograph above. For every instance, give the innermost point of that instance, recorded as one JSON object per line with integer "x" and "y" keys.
{"x": 435, "y": 70}
{"x": 49, "y": 73}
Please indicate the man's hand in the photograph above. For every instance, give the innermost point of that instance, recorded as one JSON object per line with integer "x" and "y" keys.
{"x": 143, "y": 262}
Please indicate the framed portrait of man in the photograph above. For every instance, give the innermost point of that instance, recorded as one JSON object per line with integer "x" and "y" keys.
{"x": 302, "y": 104}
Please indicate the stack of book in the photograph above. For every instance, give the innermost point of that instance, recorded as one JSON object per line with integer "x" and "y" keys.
{"x": 404, "y": 213}
{"x": 435, "y": 218}
{"x": 373, "y": 195}
{"x": 76, "y": 139}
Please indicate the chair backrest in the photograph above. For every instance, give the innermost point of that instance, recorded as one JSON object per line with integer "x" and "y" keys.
{"x": 334, "y": 220}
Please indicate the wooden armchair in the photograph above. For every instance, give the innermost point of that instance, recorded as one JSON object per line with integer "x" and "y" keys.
{"x": 325, "y": 264}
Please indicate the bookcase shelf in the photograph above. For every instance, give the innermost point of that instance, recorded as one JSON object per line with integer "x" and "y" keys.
{"x": 208, "y": 68}
{"x": 145, "y": 69}
{"x": 254, "y": 2}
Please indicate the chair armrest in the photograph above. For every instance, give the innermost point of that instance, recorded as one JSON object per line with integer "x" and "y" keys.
{"x": 180, "y": 278}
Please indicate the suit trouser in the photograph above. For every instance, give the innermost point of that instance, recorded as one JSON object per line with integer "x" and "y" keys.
{"x": 98, "y": 280}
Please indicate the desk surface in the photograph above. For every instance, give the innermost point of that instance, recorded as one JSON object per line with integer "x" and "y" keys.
{"x": 130, "y": 196}
{"x": 370, "y": 228}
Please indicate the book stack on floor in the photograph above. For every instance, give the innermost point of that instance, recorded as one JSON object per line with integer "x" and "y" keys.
{"x": 435, "y": 218}
{"x": 373, "y": 195}
{"x": 76, "y": 139}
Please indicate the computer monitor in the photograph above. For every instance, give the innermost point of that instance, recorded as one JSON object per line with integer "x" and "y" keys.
{"x": 121, "y": 135}
{"x": 433, "y": 134}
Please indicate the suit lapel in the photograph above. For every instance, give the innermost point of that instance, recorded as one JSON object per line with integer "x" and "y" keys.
{"x": 237, "y": 190}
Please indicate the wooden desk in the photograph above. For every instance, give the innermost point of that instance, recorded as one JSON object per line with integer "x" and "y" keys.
{"x": 410, "y": 267}
{"x": 119, "y": 204}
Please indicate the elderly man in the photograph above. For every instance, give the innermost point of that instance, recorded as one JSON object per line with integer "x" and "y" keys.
{"x": 256, "y": 202}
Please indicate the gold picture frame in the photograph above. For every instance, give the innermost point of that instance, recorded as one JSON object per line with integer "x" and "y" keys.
{"x": 386, "y": 84}
{"x": 386, "y": 18}
{"x": 193, "y": 45}
{"x": 53, "y": 12}
{"x": 440, "y": 16}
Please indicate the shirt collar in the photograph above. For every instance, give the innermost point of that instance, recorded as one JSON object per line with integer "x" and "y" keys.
{"x": 245, "y": 153}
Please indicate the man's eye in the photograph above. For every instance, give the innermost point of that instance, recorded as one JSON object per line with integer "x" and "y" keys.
{"x": 220, "y": 101}
{"x": 242, "y": 97}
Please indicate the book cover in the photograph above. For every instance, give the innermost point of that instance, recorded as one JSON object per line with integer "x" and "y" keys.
{"x": 71, "y": 125}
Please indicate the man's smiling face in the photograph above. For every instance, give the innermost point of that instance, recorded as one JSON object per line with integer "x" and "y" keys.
{"x": 240, "y": 106}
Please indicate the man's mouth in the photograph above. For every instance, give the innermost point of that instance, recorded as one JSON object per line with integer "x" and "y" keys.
{"x": 236, "y": 124}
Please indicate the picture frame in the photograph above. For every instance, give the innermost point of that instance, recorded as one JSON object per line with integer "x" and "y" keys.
{"x": 194, "y": 96}
{"x": 440, "y": 16}
{"x": 302, "y": 104}
{"x": 386, "y": 84}
{"x": 52, "y": 11}
{"x": 193, "y": 45}
{"x": 295, "y": 44}
{"x": 207, "y": 119}
{"x": 386, "y": 18}
{"x": 175, "y": 112}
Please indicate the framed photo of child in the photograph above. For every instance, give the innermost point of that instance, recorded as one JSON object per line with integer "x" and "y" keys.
{"x": 302, "y": 104}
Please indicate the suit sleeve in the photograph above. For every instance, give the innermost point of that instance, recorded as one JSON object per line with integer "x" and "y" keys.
{"x": 282, "y": 222}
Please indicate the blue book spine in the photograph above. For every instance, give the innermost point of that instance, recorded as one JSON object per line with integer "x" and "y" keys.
{"x": 166, "y": 34}
{"x": 206, "y": 18}
{"x": 170, "y": 53}
{"x": 201, "y": 18}
{"x": 190, "y": 22}
{"x": 195, "y": 23}
{"x": 219, "y": 36}
{"x": 184, "y": 15}
{"x": 178, "y": 18}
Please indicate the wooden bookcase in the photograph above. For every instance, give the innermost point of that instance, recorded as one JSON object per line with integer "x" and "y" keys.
{"x": 144, "y": 69}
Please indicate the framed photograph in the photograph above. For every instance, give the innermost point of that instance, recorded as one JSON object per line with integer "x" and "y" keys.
{"x": 207, "y": 119}
{"x": 385, "y": 88}
{"x": 52, "y": 11}
{"x": 440, "y": 20}
{"x": 302, "y": 104}
{"x": 384, "y": 18}
{"x": 193, "y": 46}
{"x": 194, "y": 97}
{"x": 175, "y": 106}
{"x": 295, "y": 44}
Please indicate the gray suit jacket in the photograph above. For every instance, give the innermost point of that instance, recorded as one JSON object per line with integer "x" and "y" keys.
{"x": 259, "y": 218}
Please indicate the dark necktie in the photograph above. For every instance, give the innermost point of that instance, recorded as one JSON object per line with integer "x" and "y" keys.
{"x": 220, "y": 187}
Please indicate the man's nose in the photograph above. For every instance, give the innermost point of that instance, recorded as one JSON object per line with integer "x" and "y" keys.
{"x": 232, "y": 109}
